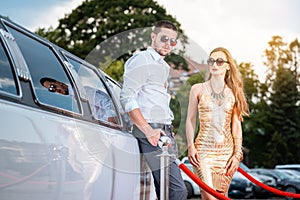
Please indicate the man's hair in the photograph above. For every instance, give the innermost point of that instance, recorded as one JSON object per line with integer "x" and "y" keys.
{"x": 43, "y": 80}
{"x": 164, "y": 24}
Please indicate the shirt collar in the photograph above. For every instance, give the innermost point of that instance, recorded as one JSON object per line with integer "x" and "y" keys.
{"x": 154, "y": 54}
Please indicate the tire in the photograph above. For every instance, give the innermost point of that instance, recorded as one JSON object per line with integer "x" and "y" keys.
{"x": 292, "y": 190}
{"x": 189, "y": 189}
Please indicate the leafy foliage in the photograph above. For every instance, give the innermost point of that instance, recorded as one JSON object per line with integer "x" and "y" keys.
{"x": 277, "y": 112}
{"x": 179, "y": 105}
{"x": 97, "y": 29}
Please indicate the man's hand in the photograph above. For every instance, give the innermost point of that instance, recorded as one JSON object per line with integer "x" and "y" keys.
{"x": 153, "y": 135}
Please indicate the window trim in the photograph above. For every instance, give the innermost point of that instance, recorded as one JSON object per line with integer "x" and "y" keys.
{"x": 20, "y": 63}
{"x": 12, "y": 63}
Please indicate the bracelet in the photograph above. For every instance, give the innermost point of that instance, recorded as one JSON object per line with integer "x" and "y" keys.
{"x": 236, "y": 138}
{"x": 238, "y": 151}
{"x": 239, "y": 155}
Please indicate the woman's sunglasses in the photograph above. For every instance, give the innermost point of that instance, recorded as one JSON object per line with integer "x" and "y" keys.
{"x": 219, "y": 61}
{"x": 165, "y": 38}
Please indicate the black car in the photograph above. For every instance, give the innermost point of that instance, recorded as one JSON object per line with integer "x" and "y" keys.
{"x": 284, "y": 181}
{"x": 258, "y": 191}
{"x": 290, "y": 172}
{"x": 240, "y": 187}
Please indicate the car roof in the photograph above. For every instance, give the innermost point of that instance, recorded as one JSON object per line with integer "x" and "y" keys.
{"x": 288, "y": 166}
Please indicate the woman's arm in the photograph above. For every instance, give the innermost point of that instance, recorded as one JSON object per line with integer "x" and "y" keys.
{"x": 236, "y": 128}
{"x": 237, "y": 136}
{"x": 191, "y": 124}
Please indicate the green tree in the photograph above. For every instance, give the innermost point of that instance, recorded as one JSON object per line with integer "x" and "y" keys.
{"x": 284, "y": 113}
{"x": 97, "y": 29}
{"x": 115, "y": 69}
{"x": 177, "y": 60}
{"x": 275, "y": 148}
{"x": 179, "y": 105}
{"x": 283, "y": 102}
{"x": 251, "y": 125}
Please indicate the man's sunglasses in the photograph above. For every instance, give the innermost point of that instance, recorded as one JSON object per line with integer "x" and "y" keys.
{"x": 165, "y": 38}
{"x": 52, "y": 87}
{"x": 219, "y": 61}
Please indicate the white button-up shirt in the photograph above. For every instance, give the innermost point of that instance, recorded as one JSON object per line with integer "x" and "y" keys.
{"x": 145, "y": 86}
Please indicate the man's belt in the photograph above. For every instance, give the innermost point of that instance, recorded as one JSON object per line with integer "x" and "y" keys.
{"x": 161, "y": 126}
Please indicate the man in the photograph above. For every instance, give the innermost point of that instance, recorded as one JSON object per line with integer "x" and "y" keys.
{"x": 144, "y": 96}
{"x": 55, "y": 86}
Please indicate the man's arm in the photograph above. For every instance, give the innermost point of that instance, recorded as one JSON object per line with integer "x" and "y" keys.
{"x": 135, "y": 76}
{"x": 151, "y": 134}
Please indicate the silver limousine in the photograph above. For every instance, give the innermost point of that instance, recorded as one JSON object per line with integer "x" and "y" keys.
{"x": 63, "y": 133}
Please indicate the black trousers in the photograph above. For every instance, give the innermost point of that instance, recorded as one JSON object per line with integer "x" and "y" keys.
{"x": 177, "y": 189}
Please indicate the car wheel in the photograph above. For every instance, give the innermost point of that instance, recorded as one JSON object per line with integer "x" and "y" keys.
{"x": 189, "y": 189}
{"x": 291, "y": 190}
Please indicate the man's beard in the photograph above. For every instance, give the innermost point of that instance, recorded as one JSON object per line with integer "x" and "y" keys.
{"x": 160, "y": 51}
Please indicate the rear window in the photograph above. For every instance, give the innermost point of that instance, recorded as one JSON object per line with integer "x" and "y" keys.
{"x": 51, "y": 84}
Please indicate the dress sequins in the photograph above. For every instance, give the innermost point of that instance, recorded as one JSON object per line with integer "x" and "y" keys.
{"x": 214, "y": 141}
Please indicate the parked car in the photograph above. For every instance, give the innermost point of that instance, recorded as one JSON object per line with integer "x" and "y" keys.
{"x": 240, "y": 187}
{"x": 267, "y": 180}
{"x": 292, "y": 180}
{"x": 293, "y": 173}
{"x": 192, "y": 188}
{"x": 284, "y": 181}
{"x": 289, "y": 166}
{"x": 54, "y": 144}
{"x": 185, "y": 160}
{"x": 278, "y": 176}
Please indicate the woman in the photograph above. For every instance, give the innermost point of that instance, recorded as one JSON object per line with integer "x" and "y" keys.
{"x": 221, "y": 105}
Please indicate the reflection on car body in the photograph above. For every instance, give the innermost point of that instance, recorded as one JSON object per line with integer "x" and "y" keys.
{"x": 52, "y": 146}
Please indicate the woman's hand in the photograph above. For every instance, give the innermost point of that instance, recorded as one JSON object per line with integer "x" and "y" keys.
{"x": 193, "y": 156}
{"x": 232, "y": 165}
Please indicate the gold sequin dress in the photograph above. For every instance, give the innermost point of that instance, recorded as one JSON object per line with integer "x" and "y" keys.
{"x": 214, "y": 141}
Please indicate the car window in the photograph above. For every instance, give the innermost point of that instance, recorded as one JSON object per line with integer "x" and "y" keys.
{"x": 100, "y": 101}
{"x": 244, "y": 167}
{"x": 7, "y": 77}
{"x": 51, "y": 84}
{"x": 116, "y": 89}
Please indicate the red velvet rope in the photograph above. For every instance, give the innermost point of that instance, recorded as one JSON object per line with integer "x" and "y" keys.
{"x": 188, "y": 172}
{"x": 266, "y": 187}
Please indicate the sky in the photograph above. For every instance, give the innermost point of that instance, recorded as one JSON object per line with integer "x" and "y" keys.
{"x": 244, "y": 27}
